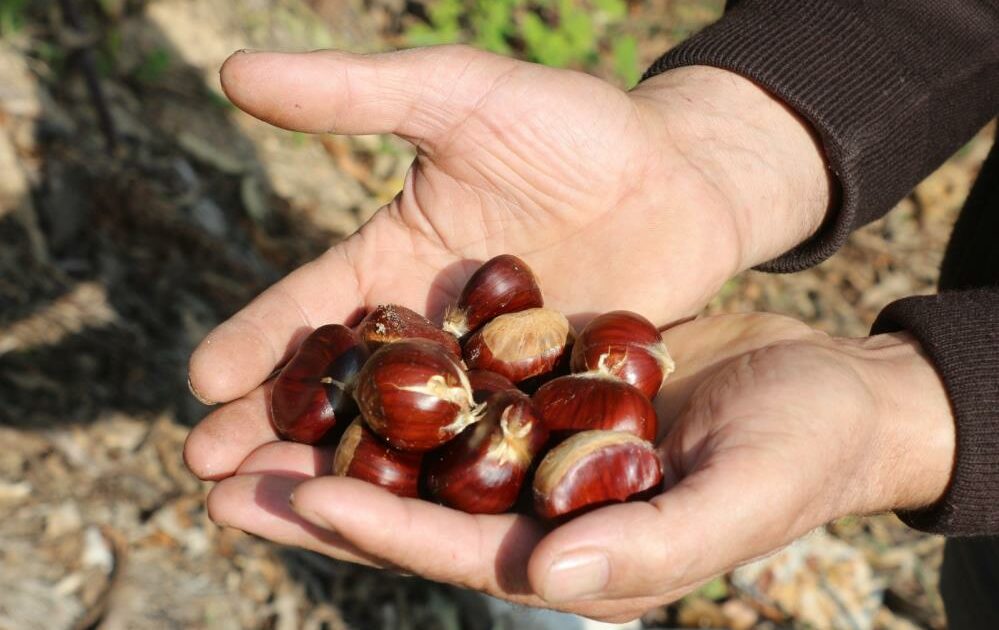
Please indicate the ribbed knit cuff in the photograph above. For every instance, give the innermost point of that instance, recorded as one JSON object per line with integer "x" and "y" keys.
{"x": 960, "y": 333}
{"x": 827, "y": 61}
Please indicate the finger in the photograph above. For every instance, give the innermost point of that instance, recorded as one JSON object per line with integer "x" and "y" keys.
{"x": 259, "y": 505}
{"x": 288, "y": 459}
{"x": 240, "y": 353}
{"x": 482, "y": 552}
{"x": 418, "y": 93}
{"x": 704, "y": 526}
{"x": 218, "y": 445}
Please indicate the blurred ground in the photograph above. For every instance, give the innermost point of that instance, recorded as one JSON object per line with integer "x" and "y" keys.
{"x": 114, "y": 265}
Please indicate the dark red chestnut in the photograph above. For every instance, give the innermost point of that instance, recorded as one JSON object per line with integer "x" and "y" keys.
{"x": 592, "y": 469}
{"x": 390, "y": 322}
{"x": 312, "y": 391}
{"x": 504, "y": 284}
{"x": 625, "y": 345}
{"x": 362, "y": 455}
{"x": 485, "y": 383}
{"x": 482, "y": 470}
{"x": 414, "y": 395}
{"x": 584, "y": 402}
{"x": 520, "y": 345}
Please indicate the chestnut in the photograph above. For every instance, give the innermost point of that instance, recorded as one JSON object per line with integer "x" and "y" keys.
{"x": 584, "y": 402}
{"x": 482, "y": 470}
{"x": 625, "y": 345}
{"x": 390, "y": 322}
{"x": 362, "y": 455}
{"x": 312, "y": 391}
{"x": 520, "y": 345}
{"x": 504, "y": 284}
{"x": 592, "y": 469}
{"x": 485, "y": 383}
{"x": 414, "y": 395}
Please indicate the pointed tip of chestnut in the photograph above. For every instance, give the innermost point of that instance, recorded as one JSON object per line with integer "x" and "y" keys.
{"x": 592, "y": 469}
{"x": 313, "y": 390}
{"x": 389, "y": 323}
{"x": 503, "y": 284}
{"x": 483, "y": 469}
{"x": 361, "y": 455}
{"x": 415, "y": 395}
{"x": 595, "y": 401}
{"x": 625, "y": 345}
{"x": 520, "y": 345}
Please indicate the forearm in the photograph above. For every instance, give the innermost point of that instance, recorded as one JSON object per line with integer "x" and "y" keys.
{"x": 764, "y": 159}
{"x": 891, "y": 88}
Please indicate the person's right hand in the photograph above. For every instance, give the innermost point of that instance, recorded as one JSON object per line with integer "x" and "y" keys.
{"x": 647, "y": 200}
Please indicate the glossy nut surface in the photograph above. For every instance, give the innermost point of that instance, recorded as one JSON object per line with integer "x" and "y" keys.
{"x": 414, "y": 395}
{"x": 520, "y": 345}
{"x": 504, "y": 284}
{"x": 362, "y": 455}
{"x": 389, "y": 323}
{"x": 312, "y": 391}
{"x": 625, "y": 345}
{"x": 570, "y": 404}
{"x": 483, "y": 469}
{"x": 485, "y": 383}
{"x": 592, "y": 469}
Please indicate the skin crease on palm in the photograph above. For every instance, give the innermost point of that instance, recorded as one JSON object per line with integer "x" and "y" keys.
{"x": 645, "y": 200}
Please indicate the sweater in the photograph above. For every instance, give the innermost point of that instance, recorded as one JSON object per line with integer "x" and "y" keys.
{"x": 892, "y": 89}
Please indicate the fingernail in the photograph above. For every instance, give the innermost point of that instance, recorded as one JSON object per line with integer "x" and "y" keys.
{"x": 310, "y": 515}
{"x": 194, "y": 392}
{"x": 576, "y": 575}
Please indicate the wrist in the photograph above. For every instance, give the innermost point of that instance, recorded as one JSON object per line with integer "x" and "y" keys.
{"x": 916, "y": 433}
{"x": 764, "y": 159}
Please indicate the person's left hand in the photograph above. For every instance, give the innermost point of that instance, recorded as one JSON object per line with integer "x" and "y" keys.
{"x": 772, "y": 429}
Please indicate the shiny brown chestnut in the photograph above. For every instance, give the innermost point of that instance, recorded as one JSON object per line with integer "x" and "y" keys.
{"x": 504, "y": 284}
{"x": 584, "y": 402}
{"x": 485, "y": 383}
{"x": 414, "y": 395}
{"x": 482, "y": 470}
{"x": 362, "y": 455}
{"x": 389, "y": 323}
{"x": 520, "y": 345}
{"x": 625, "y": 345}
{"x": 592, "y": 469}
{"x": 312, "y": 391}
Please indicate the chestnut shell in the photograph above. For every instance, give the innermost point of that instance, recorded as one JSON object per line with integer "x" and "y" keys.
{"x": 574, "y": 403}
{"x": 592, "y": 469}
{"x": 483, "y": 469}
{"x": 520, "y": 345}
{"x": 627, "y": 346}
{"x": 312, "y": 391}
{"x": 362, "y": 455}
{"x": 389, "y": 323}
{"x": 504, "y": 284}
{"x": 414, "y": 395}
{"x": 485, "y": 383}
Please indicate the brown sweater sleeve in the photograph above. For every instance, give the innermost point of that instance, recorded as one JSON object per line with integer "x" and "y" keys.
{"x": 960, "y": 333}
{"x": 892, "y": 88}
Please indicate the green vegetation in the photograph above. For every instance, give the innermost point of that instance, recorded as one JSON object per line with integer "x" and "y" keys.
{"x": 153, "y": 66}
{"x": 560, "y": 33}
{"x": 12, "y": 16}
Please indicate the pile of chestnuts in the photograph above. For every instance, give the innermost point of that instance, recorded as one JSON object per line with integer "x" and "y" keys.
{"x": 503, "y": 408}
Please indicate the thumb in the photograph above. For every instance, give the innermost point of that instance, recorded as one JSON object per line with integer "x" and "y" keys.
{"x": 418, "y": 93}
{"x": 706, "y": 525}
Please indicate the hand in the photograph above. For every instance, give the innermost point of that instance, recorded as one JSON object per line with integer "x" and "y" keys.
{"x": 686, "y": 180}
{"x": 773, "y": 429}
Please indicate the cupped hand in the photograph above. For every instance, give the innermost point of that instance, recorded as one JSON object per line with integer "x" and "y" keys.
{"x": 772, "y": 429}
{"x": 635, "y": 200}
